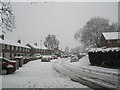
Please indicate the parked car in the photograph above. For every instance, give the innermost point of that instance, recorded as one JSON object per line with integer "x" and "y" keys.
{"x": 37, "y": 56}
{"x": 54, "y": 57}
{"x": 74, "y": 58}
{"x": 7, "y": 66}
{"x": 50, "y": 57}
{"x": 64, "y": 56}
{"x": 45, "y": 58}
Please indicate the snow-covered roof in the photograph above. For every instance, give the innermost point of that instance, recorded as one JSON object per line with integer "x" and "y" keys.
{"x": 111, "y": 35}
{"x": 37, "y": 47}
{"x": 13, "y": 43}
{"x": 34, "y": 46}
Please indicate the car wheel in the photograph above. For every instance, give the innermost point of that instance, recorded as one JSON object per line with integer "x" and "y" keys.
{"x": 4, "y": 72}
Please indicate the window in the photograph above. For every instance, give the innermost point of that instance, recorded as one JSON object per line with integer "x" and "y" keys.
{"x": 118, "y": 41}
{"x": 3, "y": 54}
{"x": 12, "y": 55}
{"x": 20, "y": 48}
{"x": 12, "y": 47}
{"x": 8, "y": 47}
{"x": 16, "y": 48}
{"x": 3, "y": 46}
{"x": 26, "y": 49}
{"x": 108, "y": 41}
{"x": 23, "y": 49}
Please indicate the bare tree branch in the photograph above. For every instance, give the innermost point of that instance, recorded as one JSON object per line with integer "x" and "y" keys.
{"x": 7, "y": 17}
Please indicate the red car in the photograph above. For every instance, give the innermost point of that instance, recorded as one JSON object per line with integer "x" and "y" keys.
{"x": 7, "y": 66}
{"x": 55, "y": 57}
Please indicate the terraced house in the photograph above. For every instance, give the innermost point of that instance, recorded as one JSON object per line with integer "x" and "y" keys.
{"x": 11, "y": 48}
{"x": 36, "y": 49}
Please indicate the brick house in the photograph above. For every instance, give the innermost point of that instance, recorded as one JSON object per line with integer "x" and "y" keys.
{"x": 58, "y": 52}
{"x": 11, "y": 48}
{"x": 110, "y": 39}
{"x": 36, "y": 49}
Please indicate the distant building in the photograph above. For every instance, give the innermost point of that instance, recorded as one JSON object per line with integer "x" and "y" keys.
{"x": 36, "y": 49}
{"x": 110, "y": 39}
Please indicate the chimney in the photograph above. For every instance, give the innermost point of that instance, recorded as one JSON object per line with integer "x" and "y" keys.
{"x": 2, "y": 36}
{"x": 35, "y": 44}
{"x": 19, "y": 41}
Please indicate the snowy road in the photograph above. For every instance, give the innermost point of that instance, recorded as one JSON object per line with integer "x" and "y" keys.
{"x": 37, "y": 74}
{"x": 90, "y": 77}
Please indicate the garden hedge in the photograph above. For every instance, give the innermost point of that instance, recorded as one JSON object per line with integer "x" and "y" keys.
{"x": 109, "y": 58}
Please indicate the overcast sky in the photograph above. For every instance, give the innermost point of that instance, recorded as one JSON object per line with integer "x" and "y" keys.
{"x": 35, "y": 21}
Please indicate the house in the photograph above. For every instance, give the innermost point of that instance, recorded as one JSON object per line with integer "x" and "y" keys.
{"x": 36, "y": 49}
{"x": 58, "y": 52}
{"x": 110, "y": 39}
{"x": 11, "y": 48}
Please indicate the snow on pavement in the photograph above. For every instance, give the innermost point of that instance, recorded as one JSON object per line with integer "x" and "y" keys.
{"x": 37, "y": 74}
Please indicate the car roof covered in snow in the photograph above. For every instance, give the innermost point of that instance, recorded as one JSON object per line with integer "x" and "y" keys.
{"x": 111, "y": 35}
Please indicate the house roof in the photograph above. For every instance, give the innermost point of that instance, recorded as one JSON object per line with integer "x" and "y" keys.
{"x": 13, "y": 43}
{"x": 111, "y": 35}
{"x": 37, "y": 47}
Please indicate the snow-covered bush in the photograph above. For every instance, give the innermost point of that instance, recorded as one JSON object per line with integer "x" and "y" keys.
{"x": 105, "y": 57}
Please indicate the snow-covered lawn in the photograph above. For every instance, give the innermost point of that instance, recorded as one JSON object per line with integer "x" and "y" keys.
{"x": 37, "y": 74}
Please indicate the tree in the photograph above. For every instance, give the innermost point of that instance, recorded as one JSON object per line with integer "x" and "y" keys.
{"x": 114, "y": 27}
{"x": 90, "y": 34}
{"x": 66, "y": 50}
{"x": 6, "y": 17}
{"x": 51, "y": 42}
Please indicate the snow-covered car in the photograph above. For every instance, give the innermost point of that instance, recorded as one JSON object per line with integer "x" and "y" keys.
{"x": 37, "y": 56}
{"x": 45, "y": 58}
{"x": 74, "y": 58}
{"x": 64, "y": 56}
{"x": 50, "y": 57}
{"x": 7, "y": 66}
{"x": 55, "y": 57}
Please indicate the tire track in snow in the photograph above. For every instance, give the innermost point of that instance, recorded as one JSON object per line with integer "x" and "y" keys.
{"x": 109, "y": 80}
{"x": 83, "y": 77}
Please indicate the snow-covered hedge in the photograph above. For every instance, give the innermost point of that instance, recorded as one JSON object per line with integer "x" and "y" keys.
{"x": 105, "y": 57}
